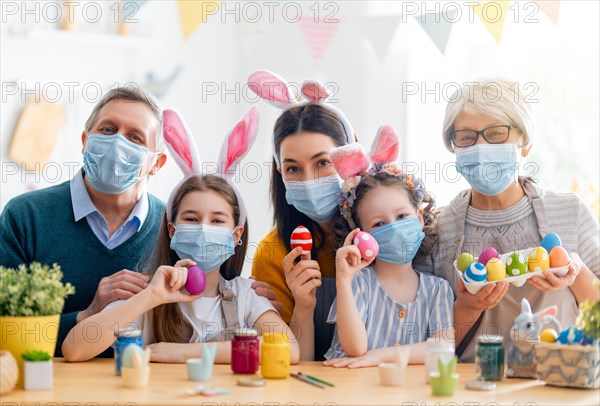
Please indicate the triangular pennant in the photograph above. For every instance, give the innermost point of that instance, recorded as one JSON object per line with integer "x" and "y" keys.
{"x": 193, "y": 14}
{"x": 493, "y": 15}
{"x": 550, "y": 8}
{"x": 438, "y": 27}
{"x": 318, "y": 35}
{"x": 379, "y": 31}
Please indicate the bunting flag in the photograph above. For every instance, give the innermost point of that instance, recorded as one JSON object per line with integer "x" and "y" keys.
{"x": 318, "y": 35}
{"x": 438, "y": 27}
{"x": 380, "y": 31}
{"x": 550, "y": 8}
{"x": 194, "y": 13}
{"x": 493, "y": 15}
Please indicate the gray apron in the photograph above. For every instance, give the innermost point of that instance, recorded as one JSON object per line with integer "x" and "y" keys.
{"x": 323, "y": 331}
{"x": 228, "y": 314}
{"x": 499, "y": 319}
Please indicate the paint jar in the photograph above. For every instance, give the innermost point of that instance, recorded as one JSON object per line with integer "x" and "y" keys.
{"x": 245, "y": 349}
{"x": 275, "y": 356}
{"x": 437, "y": 348}
{"x": 122, "y": 339}
{"x": 489, "y": 358}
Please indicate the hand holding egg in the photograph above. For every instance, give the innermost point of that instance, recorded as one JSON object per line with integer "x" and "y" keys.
{"x": 367, "y": 245}
{"x": 302, "y": 238}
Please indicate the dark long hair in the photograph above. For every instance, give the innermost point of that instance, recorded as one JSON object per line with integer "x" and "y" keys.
{"x": 168, "y": 323}
{"x": 309, "y": 117}
{"x": 341, "y": 228}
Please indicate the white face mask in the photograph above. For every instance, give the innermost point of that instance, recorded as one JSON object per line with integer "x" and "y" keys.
{"x": 317, "y": 198}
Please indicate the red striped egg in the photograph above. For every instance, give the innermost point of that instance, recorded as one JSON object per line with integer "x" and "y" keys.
{"x": 301, "y": 237}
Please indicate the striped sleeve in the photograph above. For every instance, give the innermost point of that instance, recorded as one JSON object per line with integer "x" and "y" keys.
{"x": 441, "y": 307}
{"x": 588, "y": 242}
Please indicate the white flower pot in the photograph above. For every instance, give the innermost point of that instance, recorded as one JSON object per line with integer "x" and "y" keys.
{"x": 38, "y": 375}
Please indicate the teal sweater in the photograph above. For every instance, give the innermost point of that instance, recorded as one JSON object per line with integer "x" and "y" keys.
{"x": 40, "y": 226}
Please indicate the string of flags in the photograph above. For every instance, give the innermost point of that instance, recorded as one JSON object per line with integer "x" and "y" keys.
{"x": 379, "y": 31}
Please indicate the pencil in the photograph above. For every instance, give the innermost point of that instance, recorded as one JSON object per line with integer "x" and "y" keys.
{"x": 317, "y": 379}
{"x": 303, "y": 378}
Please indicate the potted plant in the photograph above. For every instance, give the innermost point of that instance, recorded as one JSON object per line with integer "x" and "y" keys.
{"x": 38, "y": 370}
{"x": 31, "y": 301}
{"x": 577, "y": 363}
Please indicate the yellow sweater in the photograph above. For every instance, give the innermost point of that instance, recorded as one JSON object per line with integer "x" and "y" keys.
{"x": 268, "y": 267}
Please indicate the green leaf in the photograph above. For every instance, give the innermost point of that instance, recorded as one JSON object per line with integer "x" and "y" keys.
{"x": 36, "y": 355}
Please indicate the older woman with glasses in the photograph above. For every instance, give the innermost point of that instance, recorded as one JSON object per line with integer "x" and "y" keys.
{"x": 489, "y": 128}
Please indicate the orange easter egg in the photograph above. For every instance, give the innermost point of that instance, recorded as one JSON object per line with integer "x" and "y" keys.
{"x": 559, "y": 257}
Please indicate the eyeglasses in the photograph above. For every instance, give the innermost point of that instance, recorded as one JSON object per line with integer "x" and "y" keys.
{"x": 497, "y": 134}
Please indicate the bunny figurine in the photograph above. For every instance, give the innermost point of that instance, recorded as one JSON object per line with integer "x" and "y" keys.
{"x": 525, "y": 333}
{"x": 200, "y": 369}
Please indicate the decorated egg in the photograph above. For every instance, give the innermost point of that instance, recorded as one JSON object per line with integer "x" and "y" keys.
{"x": 487, "y": 254}
{"x": 367, "y": 245}
{"x": 538, "y": 260}
{"x": 571, "y": 335}
{"x": 302, "y": 238}
{"x": 550, "y": 241}
{"x": 559, "y": 257}
{"x": 495, "y": 270}
{"x": 549, "y": 335}
{"x": 464, "y": 260}
{"x": 196, "y": 280}
{"x": 516, "y": 264}
{"x": 126, "y": 360}
{"x": 475, "y": 273}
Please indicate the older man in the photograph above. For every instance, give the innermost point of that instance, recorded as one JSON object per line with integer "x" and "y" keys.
{"x": 103, "y": 220}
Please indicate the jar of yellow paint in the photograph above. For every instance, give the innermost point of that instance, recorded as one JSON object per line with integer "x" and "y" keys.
{"x": 275, "y": 356}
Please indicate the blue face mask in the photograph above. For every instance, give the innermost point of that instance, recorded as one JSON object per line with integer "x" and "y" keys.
{"x": 318, "y": 198}
{"x": 112, "y": 163}
{"x": 209, "y": 246}
{"x": 399, "y": 241}
{"x": 489, "y": 168}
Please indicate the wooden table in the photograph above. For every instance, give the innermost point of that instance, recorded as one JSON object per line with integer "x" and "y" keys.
{"x": 94, "y": 382}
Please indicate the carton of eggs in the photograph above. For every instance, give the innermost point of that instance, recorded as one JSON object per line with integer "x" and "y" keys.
{"x": 514, "y": 267}
{"x": 367, "y": 245}
{"x": 301, "y": 237}
{"x": 475, "y": 273}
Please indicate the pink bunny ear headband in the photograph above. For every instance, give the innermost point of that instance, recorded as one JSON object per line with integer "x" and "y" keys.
{"x": 182, "y": 147}
{"x": 353, "y": 165}
{"x": 276, "y": 91}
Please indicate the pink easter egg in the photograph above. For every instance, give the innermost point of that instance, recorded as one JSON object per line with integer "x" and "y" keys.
{"x": 367, "y": 245}
{"x": 488, "y": 254}
{"x": 196, "y": 280}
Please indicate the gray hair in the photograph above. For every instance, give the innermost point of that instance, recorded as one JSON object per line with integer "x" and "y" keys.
{"x": 131, "y": 94}
{"x": 497, "y": 98}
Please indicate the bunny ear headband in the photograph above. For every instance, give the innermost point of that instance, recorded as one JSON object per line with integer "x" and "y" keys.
{"x": 276, "y": 91}
{"x": 353, "y": 164}
{"x": 182, "y": 147}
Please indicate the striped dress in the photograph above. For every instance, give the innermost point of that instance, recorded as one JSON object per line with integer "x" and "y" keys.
{"x": 388, "y": 322}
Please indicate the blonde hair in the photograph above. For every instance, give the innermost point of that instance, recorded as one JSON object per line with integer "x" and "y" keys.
{"x": 498, "y": 98}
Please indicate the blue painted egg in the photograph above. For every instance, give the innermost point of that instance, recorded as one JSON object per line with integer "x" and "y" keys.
{"x": 550, "y": 241}
{"x": 570, "y": 335}
{"x": 476, "y": 273}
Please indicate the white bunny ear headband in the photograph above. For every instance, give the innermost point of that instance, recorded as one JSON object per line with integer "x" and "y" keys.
{"x": 182, "y": 147}
{"x": 353, "y": 164}
{"x": 276, "y": 91}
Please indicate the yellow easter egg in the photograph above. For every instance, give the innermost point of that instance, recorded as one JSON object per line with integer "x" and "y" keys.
{"x": 495, "y": 270}
{"x": 549, "y": 335}
{"x": 538, "y": 260}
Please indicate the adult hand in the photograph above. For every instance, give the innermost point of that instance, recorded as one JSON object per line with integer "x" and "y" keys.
{"x": 302, "y": 278}
{"x": 264, "y": 289}
{"x": 552, "y": 282}
{"x": 119, "y": 286}
{"x": 488, "y": 297}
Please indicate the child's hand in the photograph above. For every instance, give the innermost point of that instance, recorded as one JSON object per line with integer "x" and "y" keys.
{"x": 167, "y": 282}
{"x": 348, "y": 259}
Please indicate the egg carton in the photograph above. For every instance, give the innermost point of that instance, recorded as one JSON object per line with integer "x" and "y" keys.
{"x": 518, "y": 280}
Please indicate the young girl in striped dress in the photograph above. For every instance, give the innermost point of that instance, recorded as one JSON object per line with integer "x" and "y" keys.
{"x": 386, "y": 303}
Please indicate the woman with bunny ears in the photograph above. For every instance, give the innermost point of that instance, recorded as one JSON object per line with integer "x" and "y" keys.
{"x": 385, "y": 304}
{"x": 205, "y": 224}
{"x": 305, "y": 190}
